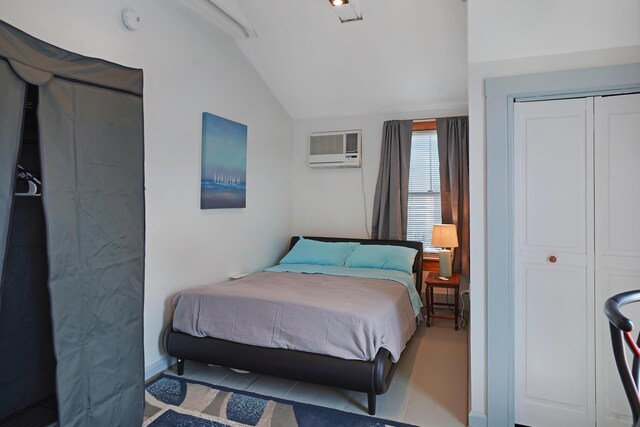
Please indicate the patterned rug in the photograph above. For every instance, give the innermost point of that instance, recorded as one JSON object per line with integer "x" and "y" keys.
{"x": 173, "y": 401}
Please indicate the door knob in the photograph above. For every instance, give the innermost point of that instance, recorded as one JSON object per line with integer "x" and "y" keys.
{"x": 553, "y": 259}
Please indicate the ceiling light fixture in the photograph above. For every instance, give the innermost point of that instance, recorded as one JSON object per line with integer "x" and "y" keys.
{"x": 347, "y": 10}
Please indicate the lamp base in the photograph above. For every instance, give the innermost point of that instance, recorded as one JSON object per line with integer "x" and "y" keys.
{"x": 445, "y": 262}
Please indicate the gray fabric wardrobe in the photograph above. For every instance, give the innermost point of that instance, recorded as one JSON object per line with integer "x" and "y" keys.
{"x": 75, "y": 246}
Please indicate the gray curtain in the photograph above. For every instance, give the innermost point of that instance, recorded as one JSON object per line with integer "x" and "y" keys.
{"x": 91, "y": 142}
{"x": 12, "y": 93}
{"x": 453, "y": 151}
{"x": 391, "y": 200}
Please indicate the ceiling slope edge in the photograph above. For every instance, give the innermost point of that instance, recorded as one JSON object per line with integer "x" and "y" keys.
{"x": 225, "y": 14}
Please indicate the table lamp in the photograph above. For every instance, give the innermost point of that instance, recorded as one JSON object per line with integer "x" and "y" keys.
{"x": 444, "y": 236}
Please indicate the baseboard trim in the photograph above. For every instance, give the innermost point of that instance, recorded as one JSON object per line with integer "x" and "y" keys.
{"x": 477, "y": 419}
{"x": 159, "y": 366}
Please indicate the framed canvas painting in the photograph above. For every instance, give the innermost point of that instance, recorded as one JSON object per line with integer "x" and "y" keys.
{"x": 223, "y": 182}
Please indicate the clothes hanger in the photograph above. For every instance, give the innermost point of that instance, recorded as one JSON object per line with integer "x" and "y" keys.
{"x": 33, "y": 183}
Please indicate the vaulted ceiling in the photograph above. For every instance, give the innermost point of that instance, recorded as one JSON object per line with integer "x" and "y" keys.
{"x": 404, "y": 55}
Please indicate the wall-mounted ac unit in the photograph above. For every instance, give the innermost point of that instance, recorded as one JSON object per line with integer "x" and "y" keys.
{"x": 335, "y": 149}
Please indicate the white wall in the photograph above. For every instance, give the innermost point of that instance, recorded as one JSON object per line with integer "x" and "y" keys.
{"x": 329, "y": 202}
{"x": 506, "y": 29}
{"x": 524, "y": 37}
{"x": 189, "y": 67}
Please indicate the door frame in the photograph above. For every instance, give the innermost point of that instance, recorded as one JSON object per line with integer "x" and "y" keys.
{"x": 501, "y": 94}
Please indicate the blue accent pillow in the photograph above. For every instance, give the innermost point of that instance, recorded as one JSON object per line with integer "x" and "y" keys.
{"x": 384, "y": 257}
{"x": 314, "y": 252}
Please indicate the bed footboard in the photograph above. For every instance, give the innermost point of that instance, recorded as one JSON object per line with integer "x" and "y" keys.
{"x": 371, "y": 377}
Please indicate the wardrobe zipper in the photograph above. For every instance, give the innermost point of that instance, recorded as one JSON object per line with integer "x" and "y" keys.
{"x": 13, "y": 188}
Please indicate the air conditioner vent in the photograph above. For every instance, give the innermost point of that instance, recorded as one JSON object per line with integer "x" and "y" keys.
{"x": 326, "y": 144}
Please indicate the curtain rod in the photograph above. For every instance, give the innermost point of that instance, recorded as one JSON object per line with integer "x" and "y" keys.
{"x": 433, "y": 119}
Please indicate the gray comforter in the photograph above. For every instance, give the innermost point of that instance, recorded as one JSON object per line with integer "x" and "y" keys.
{"x": 345, "y": 317}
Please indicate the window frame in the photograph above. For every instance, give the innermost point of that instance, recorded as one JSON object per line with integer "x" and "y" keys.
{"x": 422, "y": 126}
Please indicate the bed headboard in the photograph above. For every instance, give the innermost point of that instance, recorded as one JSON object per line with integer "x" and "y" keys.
{"x": 417, "y": 262}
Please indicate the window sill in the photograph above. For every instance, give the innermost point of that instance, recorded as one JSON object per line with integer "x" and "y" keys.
{"x": 430, "y": 253}
{"x": 430, "y": 264}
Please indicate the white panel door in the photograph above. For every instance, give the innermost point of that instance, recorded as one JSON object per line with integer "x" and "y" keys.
{"x": 554, "y": 278}
{"x": 617, "y": 237}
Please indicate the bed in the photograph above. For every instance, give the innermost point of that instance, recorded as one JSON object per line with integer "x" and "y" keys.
{"x": 311, "y": 347}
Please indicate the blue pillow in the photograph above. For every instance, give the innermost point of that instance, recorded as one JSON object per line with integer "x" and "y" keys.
{"x": 382, "y": 256}
{"x": 314, "y": 252}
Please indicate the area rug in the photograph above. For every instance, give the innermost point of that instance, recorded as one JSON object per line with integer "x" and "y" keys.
{"x": 172, "y": 401}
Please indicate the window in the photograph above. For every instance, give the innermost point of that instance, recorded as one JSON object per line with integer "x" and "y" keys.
{"x": 424, "y": 187}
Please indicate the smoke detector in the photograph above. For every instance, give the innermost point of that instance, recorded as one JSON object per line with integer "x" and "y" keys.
{"x": 130, "y": 19}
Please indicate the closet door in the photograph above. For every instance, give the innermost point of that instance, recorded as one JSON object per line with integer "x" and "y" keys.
{"x": 553, "y": 293}
{"x": 617, "y": 208}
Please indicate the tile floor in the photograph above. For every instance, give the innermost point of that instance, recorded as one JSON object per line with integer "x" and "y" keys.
{"x": 430, "y": 387}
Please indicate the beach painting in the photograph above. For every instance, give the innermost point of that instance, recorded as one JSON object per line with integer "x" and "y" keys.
{"x": 223, "y": 181}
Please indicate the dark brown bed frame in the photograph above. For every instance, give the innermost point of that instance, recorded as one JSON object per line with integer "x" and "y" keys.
{"x": 371, "y": 377}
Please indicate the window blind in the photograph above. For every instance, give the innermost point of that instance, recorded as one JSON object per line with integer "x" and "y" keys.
{"x": 424, "y": 187}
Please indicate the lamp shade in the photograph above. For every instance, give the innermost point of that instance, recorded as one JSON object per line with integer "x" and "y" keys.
{"x": 444, "y": 236}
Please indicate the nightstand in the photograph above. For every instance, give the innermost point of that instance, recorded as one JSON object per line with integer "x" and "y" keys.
{"x": 434, "y": 281}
